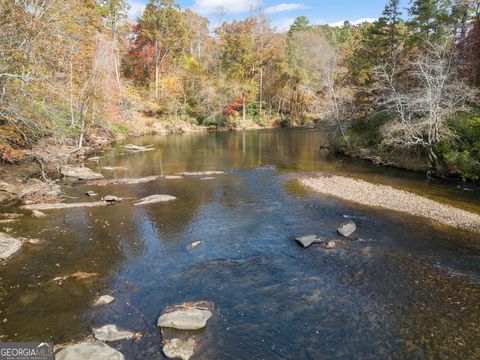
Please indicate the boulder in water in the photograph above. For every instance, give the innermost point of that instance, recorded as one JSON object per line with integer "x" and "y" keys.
{"x": 91, "y": 350}
{"x": 185, "y": 317}
{"x": 8, "y": 246}
{"x": 179, "y": 349}
{"x": 153, "y": 199}
{"x": 347, "y": 228}
{"x": 81, "y": 173}
{"x": 103, "y": 300}
{"x": 308, "y": 240}
{"x": 194, "y": 245}
{"x": 111, "y": 333}
{"x": 38, "y": 214}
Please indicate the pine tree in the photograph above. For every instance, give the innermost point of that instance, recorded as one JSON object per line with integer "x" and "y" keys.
{"x": 430, "y": 18}
{"x": 301, "y": 23}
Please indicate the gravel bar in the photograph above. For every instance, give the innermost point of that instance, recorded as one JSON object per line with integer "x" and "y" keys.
{"x": 387, "y": 197}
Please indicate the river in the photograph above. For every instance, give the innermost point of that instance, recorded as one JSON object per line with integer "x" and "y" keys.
{"x": 405, "y": 288}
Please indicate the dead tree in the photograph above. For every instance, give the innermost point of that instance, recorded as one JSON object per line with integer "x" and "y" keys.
{"x": 421, "y": 106}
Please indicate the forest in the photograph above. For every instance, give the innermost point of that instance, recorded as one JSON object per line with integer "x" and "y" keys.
{"x": 400, "y": 91}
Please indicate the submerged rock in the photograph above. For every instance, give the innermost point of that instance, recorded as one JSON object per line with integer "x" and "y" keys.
{"x": 179, "y": 349}
{"x": 201, "y": 173}
{"x": 79, "y": 275}
{"x": 138, "y": 148}
{"x": 103, "y": 300}
{"x": 152, "y": 199}
{"x": 194, "y": 245}
{"x": 347, "y": 228}
{"x": 81, "y": 173}
{"x": 127, "y": 181}
{"x": 185, "y": 317}
{"x": 308, "y": 240}
{"x": 111, "y": 333}
{"x": 91, "y": 350}
{"x": 90, "y": 193}
{"x": 8, "y": 246}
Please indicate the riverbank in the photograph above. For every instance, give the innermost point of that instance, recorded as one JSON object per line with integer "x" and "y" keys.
{"x": 30, "y": 179}
{"x": 390, "y": 198}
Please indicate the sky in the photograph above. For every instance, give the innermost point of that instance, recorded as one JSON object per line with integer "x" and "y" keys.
{"x": 282, "y": 12}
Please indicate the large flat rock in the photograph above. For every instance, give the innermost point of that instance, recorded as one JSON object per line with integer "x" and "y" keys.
{"x": 111, "y": 333}
{"x": 8, "y": 246}
{"x": 179, "y": 349}
{"x": 153, "y": 199}
{"x": 185, "y": 319}
{"x": 309, "y": 240}
{"x": 91, "y": 350}
{"x": 81, "y": 173}
{"x": 57, "y": 206}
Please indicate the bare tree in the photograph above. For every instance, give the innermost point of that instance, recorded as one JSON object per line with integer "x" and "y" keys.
{"x": 320, "y": 63}
{"x": 422, "y": 103}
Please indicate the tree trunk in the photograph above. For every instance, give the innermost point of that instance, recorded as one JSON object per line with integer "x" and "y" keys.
{"x": 156, "y": 68}
{"x": 244, "y": 107}
{"x": 260, "y": 91}
{"x": 72, "y": 115}
{"x": 432, "y": 159}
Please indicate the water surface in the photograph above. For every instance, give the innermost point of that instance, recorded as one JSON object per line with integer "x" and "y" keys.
{"x": 405, "y": 288}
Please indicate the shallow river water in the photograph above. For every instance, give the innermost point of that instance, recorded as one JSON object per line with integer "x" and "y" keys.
{"x": 405, "y": 288}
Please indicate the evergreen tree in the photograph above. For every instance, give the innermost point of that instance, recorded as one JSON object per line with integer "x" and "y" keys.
{"x": 301, "y": 23}
{"x": 430, "y": 19}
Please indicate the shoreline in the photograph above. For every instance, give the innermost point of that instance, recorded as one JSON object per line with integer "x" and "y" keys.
{"x": 390, "y": 198}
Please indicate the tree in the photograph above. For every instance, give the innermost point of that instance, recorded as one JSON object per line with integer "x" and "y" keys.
{"x": 301, "y": 23}
{"x": 161, "y": 32}
{"x": 430, "y": 19}
{"x": 114, "y": 13}
{"x": 420, "y": 111}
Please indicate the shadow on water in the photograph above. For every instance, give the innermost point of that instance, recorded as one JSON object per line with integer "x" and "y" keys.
{"x": 404, "y": 288}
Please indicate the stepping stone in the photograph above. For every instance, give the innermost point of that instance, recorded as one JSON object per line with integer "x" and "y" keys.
{"x": 179, "y": 349}
{"x": 308, "y": 240}
{"x": 347, "y": 228}
{"x": 111, "y": 333}
{"x": 185, "y": 319}
{"x": 91, "y": 350}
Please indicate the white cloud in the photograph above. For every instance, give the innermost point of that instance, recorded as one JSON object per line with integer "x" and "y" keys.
{"x": 353, "y": 22}
{"x": 227, "y": 6}
{"x": 136, "y": 9}
{"x": 284, "y": 7}
{"x": 282, "y": 24}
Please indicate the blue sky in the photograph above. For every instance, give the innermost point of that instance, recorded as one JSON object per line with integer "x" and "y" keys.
{"x": 282, "y": 12}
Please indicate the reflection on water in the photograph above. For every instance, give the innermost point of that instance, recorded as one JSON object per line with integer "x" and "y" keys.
{"x": 404, "y": 289}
